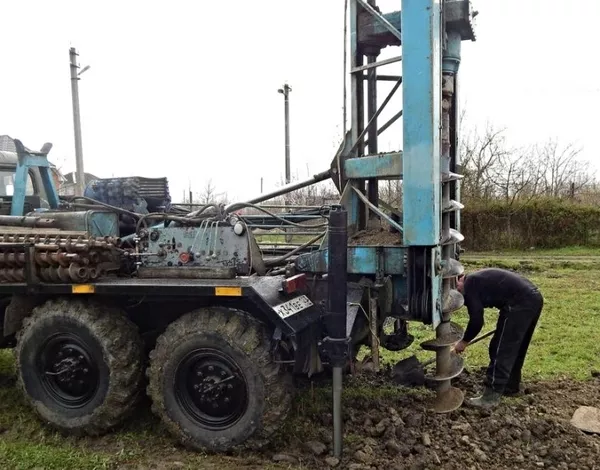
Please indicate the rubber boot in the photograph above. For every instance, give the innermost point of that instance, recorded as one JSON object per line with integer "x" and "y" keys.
{"x": 489, "y": 399}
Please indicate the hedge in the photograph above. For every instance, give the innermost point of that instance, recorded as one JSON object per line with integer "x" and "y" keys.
{"x": 548, "y": 223}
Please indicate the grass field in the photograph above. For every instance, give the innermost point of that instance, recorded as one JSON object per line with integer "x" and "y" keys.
{"x": 566, "y": 345}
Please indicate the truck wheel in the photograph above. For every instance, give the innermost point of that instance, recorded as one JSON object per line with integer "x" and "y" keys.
{"x": 213, "y": 382}
{"x": 80, "y": 365}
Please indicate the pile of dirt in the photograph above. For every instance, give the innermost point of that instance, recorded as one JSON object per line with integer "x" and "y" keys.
{"x": 378, "y": 236}
{"x": 399, "y": 432}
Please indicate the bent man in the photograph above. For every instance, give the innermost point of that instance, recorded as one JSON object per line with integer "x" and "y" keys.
{"x": 520, "y": 304}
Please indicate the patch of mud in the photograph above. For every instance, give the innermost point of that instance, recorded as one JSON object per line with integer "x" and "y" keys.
{"x": 399, "y": 432}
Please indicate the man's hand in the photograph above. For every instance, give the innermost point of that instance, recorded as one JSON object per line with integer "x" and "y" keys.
{"x": 460, "y": 346}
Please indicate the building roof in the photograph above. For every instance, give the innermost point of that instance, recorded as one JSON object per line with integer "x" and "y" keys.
{"x": 70, "y": 177}
{"x": 7, "y": 144}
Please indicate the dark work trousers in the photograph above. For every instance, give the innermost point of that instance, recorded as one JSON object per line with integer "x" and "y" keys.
{"x": 510, "y": 342}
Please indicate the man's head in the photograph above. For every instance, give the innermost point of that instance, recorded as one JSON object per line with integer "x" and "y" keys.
{"x": 460, "y": 283}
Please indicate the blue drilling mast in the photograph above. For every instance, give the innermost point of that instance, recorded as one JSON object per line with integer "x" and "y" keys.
{"x": 414, "y": 272}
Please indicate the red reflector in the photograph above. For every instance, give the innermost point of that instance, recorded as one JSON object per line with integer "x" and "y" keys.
{"x": 184, "y": 257}
{"x": 294, "y": 283}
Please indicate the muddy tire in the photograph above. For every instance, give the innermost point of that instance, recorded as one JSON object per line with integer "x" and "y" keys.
{"x": 80, "y": 365}
{"x": 192, "y": 356}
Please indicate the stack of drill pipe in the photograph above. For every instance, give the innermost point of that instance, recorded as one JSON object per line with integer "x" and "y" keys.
{"x": 58, "y": 256}
{"x": 448, "y": 364}
{"x": 127, "y": 192}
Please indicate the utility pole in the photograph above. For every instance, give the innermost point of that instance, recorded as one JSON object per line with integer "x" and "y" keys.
{"x": 80, "y": 175}
{"x": 285, "y": 91}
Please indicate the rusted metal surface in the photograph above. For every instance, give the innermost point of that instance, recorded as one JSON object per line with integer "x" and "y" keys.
{"x": 186, "y": 273}
{"x": 57, "y": 256}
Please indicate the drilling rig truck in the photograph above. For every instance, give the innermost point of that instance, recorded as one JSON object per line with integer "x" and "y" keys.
{"x": 110, "y": 296}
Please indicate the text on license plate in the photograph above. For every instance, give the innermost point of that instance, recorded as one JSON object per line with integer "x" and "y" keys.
{"x": 293, "y": 306}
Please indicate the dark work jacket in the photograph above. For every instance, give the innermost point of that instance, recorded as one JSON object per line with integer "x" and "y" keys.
{"x": 492, "y": 288}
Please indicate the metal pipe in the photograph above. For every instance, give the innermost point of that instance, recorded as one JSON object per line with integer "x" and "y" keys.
{"x": 281, "y": 234}
{"x": 374, "y": 118}
{"x": 337, "y": 277}
{"x": 385, "y": 78}
{"x": 359, "y": 216}
{"x": 279, "y": 260}
{"x": 291, "y": 206}
{"x": 284, "y": 215}
{"x": 373, "y": 320}
{"x": 391, "y": 121}
{"x": 375, "y": 209}
{"x": 289, "y": 188}
{"x": 372, "y": 113}
{"x": 27, "y": 221}
{"x": 337, "y": 386}
{"x": 372, "y": 65}
{"x": 280, "y": 244}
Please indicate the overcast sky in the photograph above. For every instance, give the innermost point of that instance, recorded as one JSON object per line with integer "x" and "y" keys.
{"x": 188, "y": 89}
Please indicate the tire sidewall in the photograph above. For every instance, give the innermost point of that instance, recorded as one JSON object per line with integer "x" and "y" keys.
{"x": 196, "y": 435}
{"x": 31, "y": 347}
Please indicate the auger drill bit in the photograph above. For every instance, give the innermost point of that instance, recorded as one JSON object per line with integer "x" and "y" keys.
{"x": 448, "y": 364}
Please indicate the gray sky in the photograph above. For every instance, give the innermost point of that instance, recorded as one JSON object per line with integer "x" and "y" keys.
{"x": 188, "y": 89}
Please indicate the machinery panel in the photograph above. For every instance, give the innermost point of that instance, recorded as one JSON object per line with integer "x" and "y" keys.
{"x": 207, "y": 246}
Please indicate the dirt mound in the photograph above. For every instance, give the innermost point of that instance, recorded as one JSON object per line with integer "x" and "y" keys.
{"x": 396, "y": 430}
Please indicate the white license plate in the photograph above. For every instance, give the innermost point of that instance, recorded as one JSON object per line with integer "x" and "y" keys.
{"x": 291, "y": 307}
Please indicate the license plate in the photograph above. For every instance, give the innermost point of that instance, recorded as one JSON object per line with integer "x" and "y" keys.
{"x": 291, "y": 307}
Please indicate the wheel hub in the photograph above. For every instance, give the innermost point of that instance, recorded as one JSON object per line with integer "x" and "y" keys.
{"x": 69, "y": 373}
{"x": 211, "y": 389}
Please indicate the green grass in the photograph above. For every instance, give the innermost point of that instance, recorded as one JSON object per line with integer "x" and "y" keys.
{"x": 565, "y": 251}
{"x": 566, "y": 344}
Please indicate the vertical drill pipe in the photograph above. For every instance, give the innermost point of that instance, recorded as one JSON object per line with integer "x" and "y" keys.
{"x": 373, "y": 327}
{"x": 449, "y": 67}
{"x": 337, "y": 290}
{"x": 337, "y": 411}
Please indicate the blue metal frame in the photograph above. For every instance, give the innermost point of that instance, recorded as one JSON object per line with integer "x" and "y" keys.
{"x": 24, "y": 163}
{"x": 421, "y": 125}
{"x": 429, "y": 33}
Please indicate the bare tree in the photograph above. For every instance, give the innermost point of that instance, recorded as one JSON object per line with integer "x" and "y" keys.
{"x": 515, "y": 176}
{"x": 564, "y": 172}
{"x": 481, "y": 156}
{"x": 210, "y": 195}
